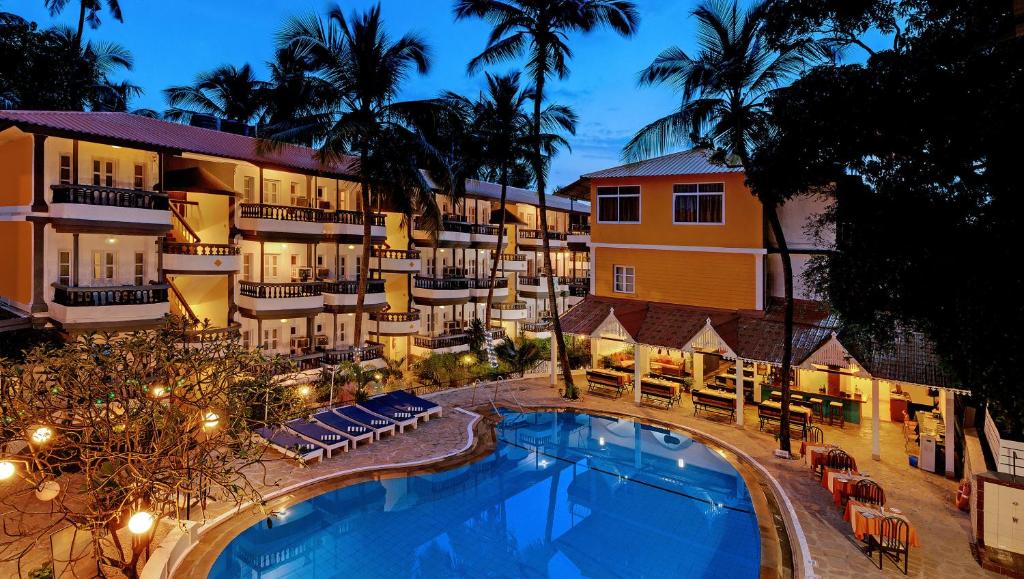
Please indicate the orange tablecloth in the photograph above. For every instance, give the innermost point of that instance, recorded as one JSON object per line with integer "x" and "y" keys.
{"x": 865, "y": 520}
{"x": 819, "y": 454}
{"x": 828, "y": 477}
{"x": 842, "y": 489}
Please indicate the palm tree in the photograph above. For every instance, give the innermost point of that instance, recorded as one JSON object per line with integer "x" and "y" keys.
{"x": 226, "y": 92}
{"x": 366, "y": 69}
{"x": 294, "y": 94}
{"x": 521, "y": 356}
{"x": 540, "y": 28}
{"x": 724, "y": 89}
{"x": 88, "y": 11}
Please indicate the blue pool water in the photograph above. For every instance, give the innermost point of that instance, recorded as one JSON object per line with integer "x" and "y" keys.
{"x": 563, "y": 495}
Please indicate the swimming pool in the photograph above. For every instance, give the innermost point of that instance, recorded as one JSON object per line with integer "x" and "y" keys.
{"x": 562, "y": 495}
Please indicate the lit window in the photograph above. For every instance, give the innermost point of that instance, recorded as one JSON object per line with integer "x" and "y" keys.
{"x": 102, "y": 173}
{"x": 103, "y": 265}
{"x": 247, "y": 267}
{"x": 623, "y": 279}
{"x": 140, "y": 268}
{"x": 249, "y": 189}
{"x": 698, "y": 203}
{"x": 65, "y": 169}
{"x": 64, "y": 267}
{"x": 139, "y": 177}
{"x": 618, "y": 204}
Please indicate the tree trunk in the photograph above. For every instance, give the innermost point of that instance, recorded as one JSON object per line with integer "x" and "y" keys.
{"x": 81, "y": 25}
{"x": 772, "y": 211}
{"x": 494, "y": 263}
{"x": 538, "y": 164}
{"x": 364, "y": 263}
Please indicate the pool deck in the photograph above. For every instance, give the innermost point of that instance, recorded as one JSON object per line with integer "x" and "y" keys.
{"x": 925, "y": 498}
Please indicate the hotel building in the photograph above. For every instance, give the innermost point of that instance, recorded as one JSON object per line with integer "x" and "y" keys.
{"x": 110, "y": 221}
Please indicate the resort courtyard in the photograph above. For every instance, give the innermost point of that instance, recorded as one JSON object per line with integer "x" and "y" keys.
{"x": 446, "y": 442}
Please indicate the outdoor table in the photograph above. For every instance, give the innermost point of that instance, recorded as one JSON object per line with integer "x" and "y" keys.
{"x": 828, "y": 477}
{"x": 817, "y": 453}
{"x": 866, "y": 520}
{"x": 623, "y": 378}
{"x": 843, "y": 486}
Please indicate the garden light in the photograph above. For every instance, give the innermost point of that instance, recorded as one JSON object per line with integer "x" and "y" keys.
{"x": 42, "y": 435}
{"x": 141, "y": 522}
{"x": 6, "y": 469}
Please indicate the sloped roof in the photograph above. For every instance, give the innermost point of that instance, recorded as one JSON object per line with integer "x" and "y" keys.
{"x": 518, "y": 195}
{"x": 692, "y": 162}
{"x": 585, "y": 317}
{"x": 910, "y": 357}
{"x": 673, "y": 326}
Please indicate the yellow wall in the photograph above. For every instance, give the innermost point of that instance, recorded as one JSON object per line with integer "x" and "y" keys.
{"x": 743, "y": 225}
{"x": 719, "y": 280}
{"x": 207, "y": 295}
{"x": 210, "y": 217}
{"x": 16, "y": 266}
{"x": 16, "y": 171}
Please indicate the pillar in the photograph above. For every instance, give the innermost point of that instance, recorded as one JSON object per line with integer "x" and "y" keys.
{"x": 39, "y": 173}
{"x": 949, "y": 418}
{"x": 38, "y": 266}
{"x": 75, "y": 253}
{"x": 639, "y": 363}
{"x": 261, "y": 189}
{"x": 554, "y": 360}
{"x": 876, "y": 443}
{"x": 739, "y": 392}
{"x": 594, "y": 343}
{"x": 698, "y": 370}
{"x": 263, "y": 258}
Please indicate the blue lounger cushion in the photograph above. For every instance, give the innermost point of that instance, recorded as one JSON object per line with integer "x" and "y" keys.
{"x": 286, "y": 440}
{"x": 388, "y": 410}
{"x": 316, "y": 432}
{"x": 342, "y": 424}
{"x": 403, "y": 400}
{"x": 363, "y": 417}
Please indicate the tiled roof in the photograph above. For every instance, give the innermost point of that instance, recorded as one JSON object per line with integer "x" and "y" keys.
{"x": 911, "y": 357}
{"x": 586, "y": 316}
{"x": 673, "y": 326}
{"x": 147, "y": 133}
{"x": 692, "y": 162}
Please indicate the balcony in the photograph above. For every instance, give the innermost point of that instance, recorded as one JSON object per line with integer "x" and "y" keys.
{"x": 484, "y": 236}
{"x": 394, "y": 323}
{"x": 496, "y": 334}
{"x": 531, "y": 239}
{"x": 281, "y": 219}
{"x": 340, "y": 296}
{"x": 454, "y": 233}
{"x": 396, "y": 260}
{"x": 510, "y": 262}
{"x": 201, "y": 257}
{"x": 579, "y": 237}
{"x": 478, "y": 288}
{"x": 508, "y": 311}
{"x": 109, "y": 307}
{"x": 537, "y": 330}
{"x": 536, "y": 286}
{"x": 348, "y": 226}
{"x": 94, "y": 209}
{"x": 307, "y": 361}
{"x": 275, "y": 300}
{"x": 371, "y": 351}
{"x": 440, "y": 291}
{"x": 423, "y": 346}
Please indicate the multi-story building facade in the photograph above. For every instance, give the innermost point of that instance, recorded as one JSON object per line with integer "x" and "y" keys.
{"x": 111, "y": 221}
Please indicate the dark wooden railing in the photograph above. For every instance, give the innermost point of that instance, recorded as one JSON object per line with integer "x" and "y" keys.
{"x": 533, "y": 280}
{"x": 373, "y": 286}
{"x": 109, "y": 197}
{"x": 535, "y": 234}
{"x": 508, "y": 256}
{"x": 349, "y": 217}
{"x": 395, "y": 316}
{"x": 437, "y": 342}
{"x": 579, "y": 229}
{"x": 485, "y": 283}
{"x": 485, "y": 229}
{"x": 281, "y": 212}
{"x": 496, "y": 333}
{"x": 372, "y": 351}
{"x": 109, "y": 296}
{"x": 175, "y": 248}
{"x": 448, "y": 225}
{"x": 536, "y": 326}
{"x": 254, "y": 289}
{"x": 579, "y": 291}
{"x": 509, "y": 306}
{"x": 431, "y": 283}
{"x": 394, "y": 253}
{"x": 309, "y": 361}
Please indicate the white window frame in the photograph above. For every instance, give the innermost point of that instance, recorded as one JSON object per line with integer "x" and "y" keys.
{"x": 61, "y": 167}
{"x": 101, "y": 269}
{"x": 272, "y": 263}
{"x": 247, "y": 259}
{"x": 628, "y": 279}
{"x": 246, "y": 339}
{"x": 101, "y": 175}
{"x": 271, "y": 190}
{"x": 341, "y": 333}
{"x": 139, "y": 269}
{"x": 270, "y": 338}
{"x": 618, "y": 195}
{"x": 697, "y": 195}
{"x": 249, "y": 188}
{"x": 64, "y": 261}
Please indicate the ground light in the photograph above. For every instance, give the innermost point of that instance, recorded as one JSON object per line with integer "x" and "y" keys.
{"x": 141, "y": 522}
{"x": 42, "y": 435}
{"x": 6, "y": 469}
{"x": 211, "y": 419}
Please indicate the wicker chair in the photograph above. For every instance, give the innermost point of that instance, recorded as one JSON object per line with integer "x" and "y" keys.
{"x": 892, "y": 541}
{"x": 869, "y": 493}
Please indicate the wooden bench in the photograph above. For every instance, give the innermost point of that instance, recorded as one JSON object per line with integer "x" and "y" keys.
{"x": 659, "y": 390}
{"x": 710, "y": 402}
{"x": 683, "y": 381}
{"x": 799, "y": 417}
{"x": 604, "y": 383}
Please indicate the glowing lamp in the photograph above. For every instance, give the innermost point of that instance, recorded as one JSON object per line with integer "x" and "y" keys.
{"x": 141, "y": 522}
{"x": 600, "y": 440}
{"x": 211, "y": 420}
{"x": 47, "y": 491}
{"x": 377, "y": 376}
{"x": 351, "y": 247}
{"x": 305, "y": 391}
{"x": 6, "y": 469}
{"x": 42, "y": 435}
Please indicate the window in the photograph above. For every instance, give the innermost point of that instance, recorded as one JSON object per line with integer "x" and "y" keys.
{"x": 341, "y": 267}
{"x": 247, "y": 267}
{"x": 341, "y": 333}
{"x": 65, "y": 170}
{"x": 430, "y": 324}
{"x": 249, "y": 189}
{"x": 270, "y": 339}
{"x": 624, "y": 279}
{"x": 298, "y": 198}
{"x": 103, "y": 172}
{"x": 64, "y": 267}
{"x": 245, "y": 339}
{"x": 271, "y": 190}
{"x": 698, "y": 203}
{"x": 359, "y": 265}
{"x": 139, "y": 177}
{"x": 270, "y": 262}
{"x": 103, "y": 263}
{"x": 430, "y": 267}
{"x": 618, "y": 204}
{"x": 140, "y": 268}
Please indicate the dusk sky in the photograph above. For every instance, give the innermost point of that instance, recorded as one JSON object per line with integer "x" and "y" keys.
{"x": 173, "y": 42}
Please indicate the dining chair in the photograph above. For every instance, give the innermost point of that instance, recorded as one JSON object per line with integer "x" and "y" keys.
{"x": 815, "y": 435}
{"x": 892, "y": 542}
{"x": 838, "y": 460}
{"x": 869, "y": 493}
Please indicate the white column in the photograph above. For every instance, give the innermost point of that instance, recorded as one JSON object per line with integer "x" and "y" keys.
{"x": 758, "y": 385}
{"x": 594, "y": 342}
{"x": 739, "y": 392}
{"x": 698, "y": 370}
{"x": 949, "y": 418}
{"x": 554, "y": 360}
{"x": 639, "y": 362}
{"x": 876, "y": 444}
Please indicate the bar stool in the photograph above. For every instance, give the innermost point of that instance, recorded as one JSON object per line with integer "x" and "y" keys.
{"x": 797, "y": 397}
{"x": 776, "y": 395}
{"x": 818, "y": 409}
{"x": 835, "y": 412}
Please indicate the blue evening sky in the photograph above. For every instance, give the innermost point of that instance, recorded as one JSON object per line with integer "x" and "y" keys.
{"x": 171, "y": 42}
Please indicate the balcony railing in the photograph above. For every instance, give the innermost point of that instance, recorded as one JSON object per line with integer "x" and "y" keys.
{"x": 484, "y": 229}
{"x": 485, "y": 283}
{"x": 448, "y": 224}
{"x": 127, "y": 295}
{"x": 438, "y": 342}
{"x": 348, "y": 217}
{"x": 536, "y": 280}
{"x": 109, "y": 197}
{"x": 394, "y": 253}
{"x": 535, "y": 234}
{"x": 508, "y": 256}
{"x": 372, "y": 351}
{"x": 175, "y": 248}
{"x": 351, "y": 287}
{"x": 579, "y": 229}
{"x": 309, "y": 361}
{"x": 281, "y": 212}
{"x": 536, "y": 326}
{"x": 430, "y": 283}
{"x": 279, "y": 290}
{"x": 496, "y": 334}
{"x": 412, "y": 316}
{"x": 509, "y": 306}
{"x": 579, "y": 291}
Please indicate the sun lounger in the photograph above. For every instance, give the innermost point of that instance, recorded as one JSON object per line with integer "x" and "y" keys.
{"x": 290, "y": 445}
{"x": 378, "y": 424}
{"x": 405, "y": 401}
{"x": 402, "y": 418}
{"x": 353, "y": 430}
{"x": 331, "y": 441}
